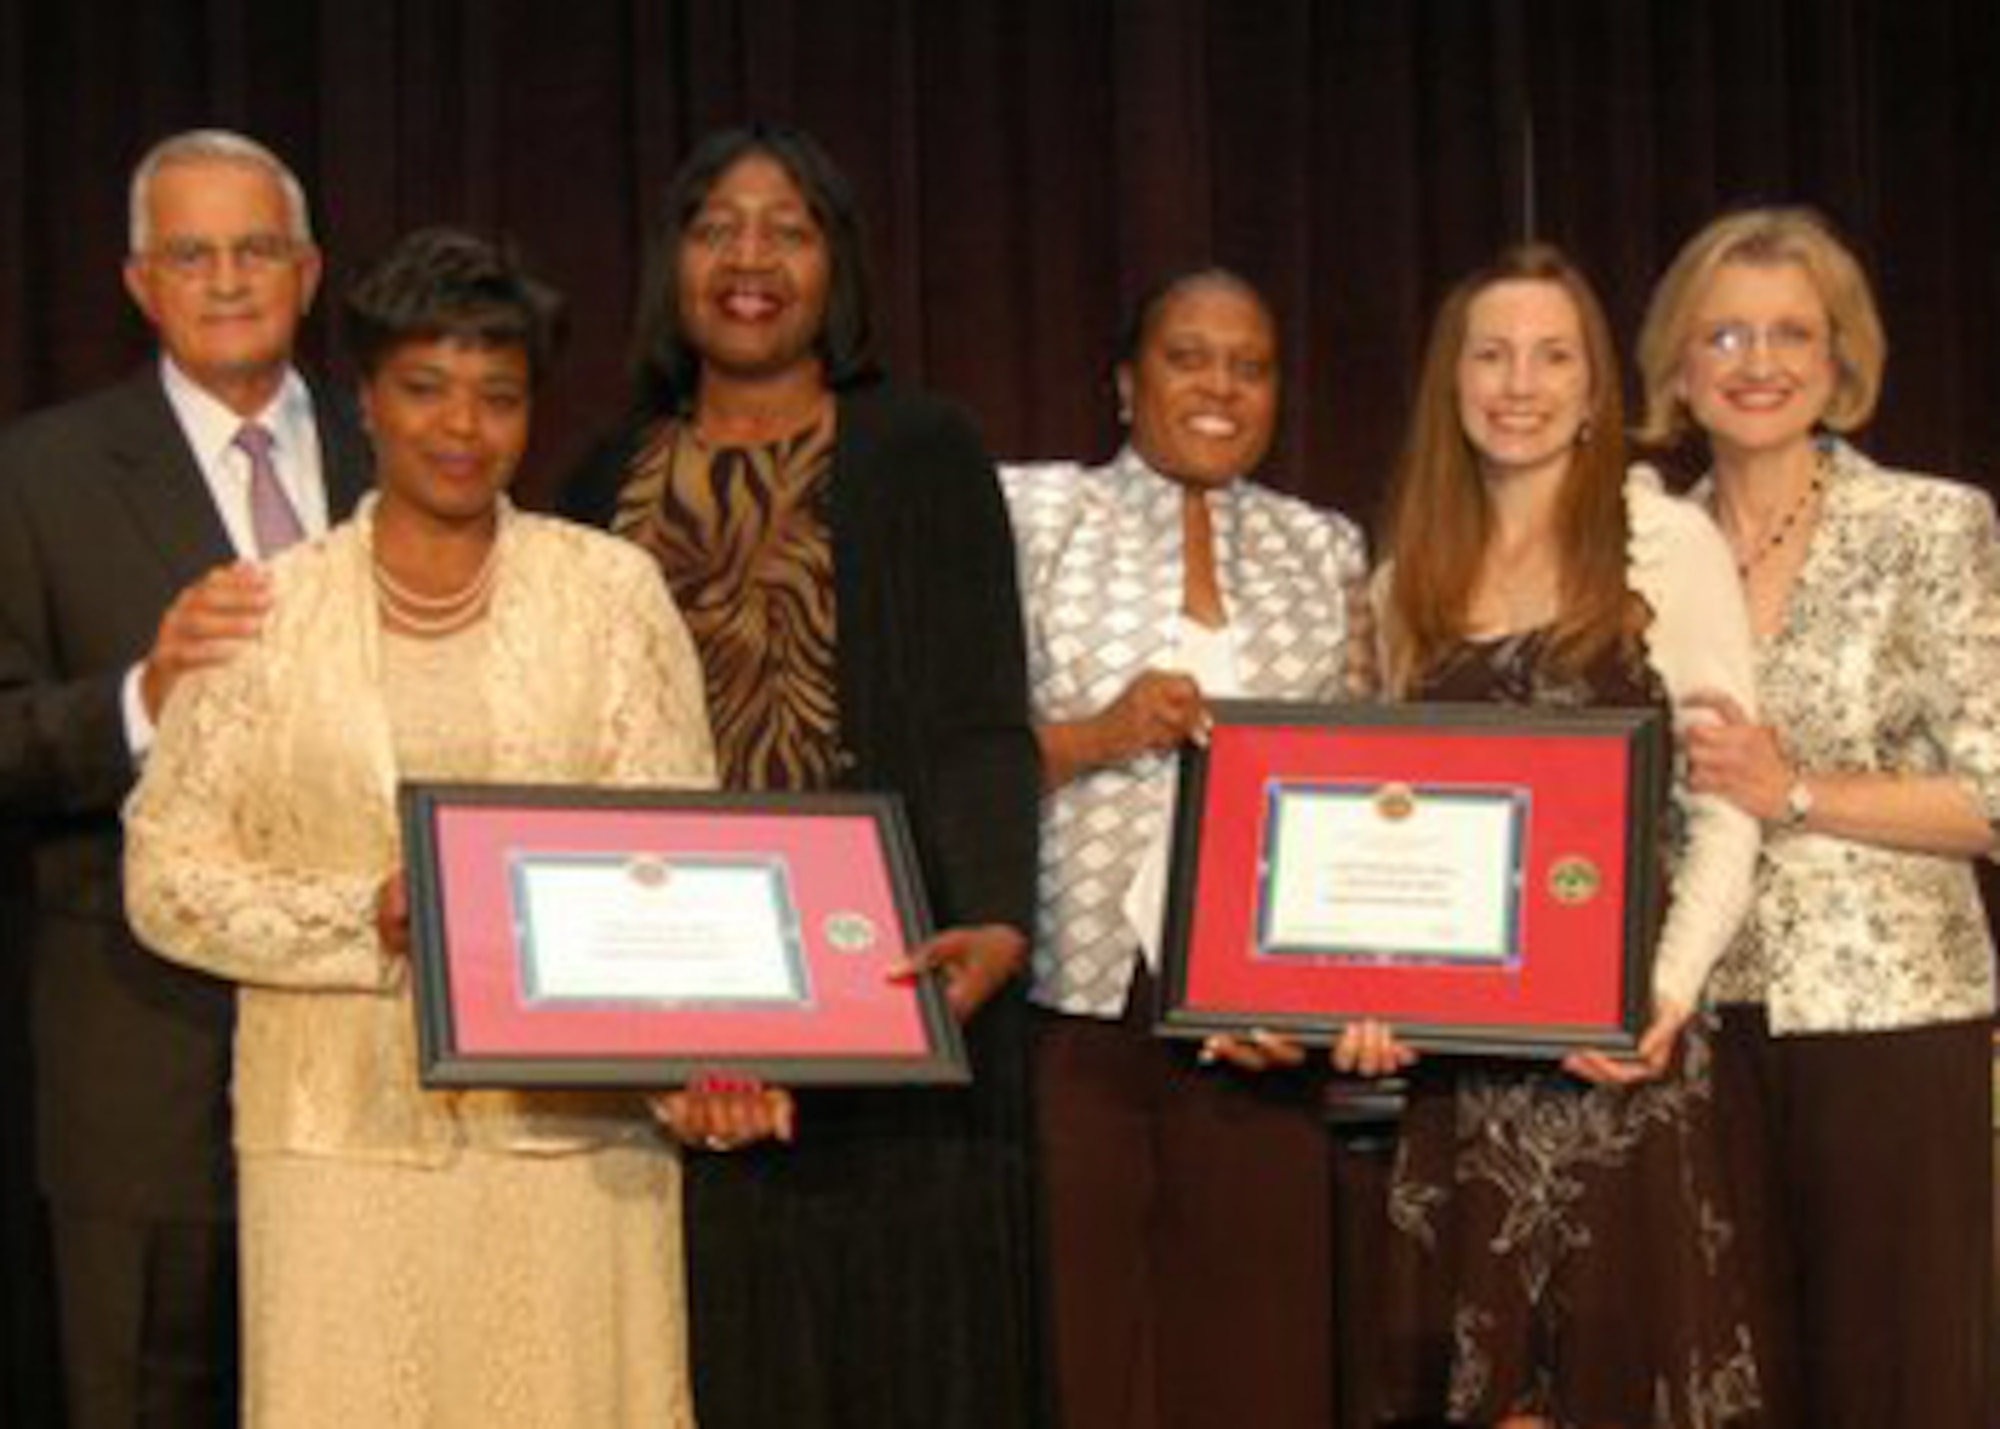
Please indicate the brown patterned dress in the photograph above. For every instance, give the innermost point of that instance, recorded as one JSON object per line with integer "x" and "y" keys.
{"x": 1561, "y": 1249}
{"x": 744, "y": 537}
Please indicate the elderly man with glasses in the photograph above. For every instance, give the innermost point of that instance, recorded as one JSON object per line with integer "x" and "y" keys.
{"x": 131, "y": 520}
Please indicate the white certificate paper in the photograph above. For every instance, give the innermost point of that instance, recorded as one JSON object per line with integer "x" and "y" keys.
{"x": 1429, "y": 874}
{"x": 603, "y": 928}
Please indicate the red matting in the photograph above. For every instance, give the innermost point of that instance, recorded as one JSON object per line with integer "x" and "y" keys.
{"x": 836, "y": 865}
{"x": 1573, "y": 967}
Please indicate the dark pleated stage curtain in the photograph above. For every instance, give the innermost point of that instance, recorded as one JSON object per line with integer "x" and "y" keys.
{"x": 1028, "y": 165}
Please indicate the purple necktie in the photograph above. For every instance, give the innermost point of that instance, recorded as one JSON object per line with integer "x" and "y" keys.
{"x": 274, "y": 525}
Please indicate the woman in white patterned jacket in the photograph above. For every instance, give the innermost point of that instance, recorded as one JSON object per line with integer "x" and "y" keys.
{"x": 1858, "y": 1005}
{"x": 1187, "y": 1200}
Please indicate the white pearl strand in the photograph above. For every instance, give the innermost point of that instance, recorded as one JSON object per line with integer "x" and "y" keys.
{"x": 436, "y": 615}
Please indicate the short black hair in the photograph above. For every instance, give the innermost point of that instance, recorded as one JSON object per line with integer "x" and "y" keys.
{"x": 448, "y": 283}
{"x": 666, "y": 368}
{"x": 1139, "y": 322}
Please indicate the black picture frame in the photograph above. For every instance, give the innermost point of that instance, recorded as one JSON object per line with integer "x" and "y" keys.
{"x": 847, "y": 894}
{"x": 1589, "y": 784}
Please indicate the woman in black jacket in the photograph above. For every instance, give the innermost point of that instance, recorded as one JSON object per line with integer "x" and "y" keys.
{"x": 841, "y": 550}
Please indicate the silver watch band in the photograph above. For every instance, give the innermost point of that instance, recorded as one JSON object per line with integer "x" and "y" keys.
{"x": 1798, "y": 803}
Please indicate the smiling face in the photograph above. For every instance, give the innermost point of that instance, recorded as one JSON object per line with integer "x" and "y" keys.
{"x": 1203, "y": 391}
{"x": 449, "y": 421}
{"x": 223, "y": 279}
{"x": 1758, "y": 371}
{"x": 754, "y": 273}
{"x": 1523, "y": 376}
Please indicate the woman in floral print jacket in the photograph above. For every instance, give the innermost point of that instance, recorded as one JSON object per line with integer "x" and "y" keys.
{"x": 1858, "y": 1002}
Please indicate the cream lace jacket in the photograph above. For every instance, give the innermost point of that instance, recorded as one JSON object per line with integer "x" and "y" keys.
{"x": 265, "y": 825}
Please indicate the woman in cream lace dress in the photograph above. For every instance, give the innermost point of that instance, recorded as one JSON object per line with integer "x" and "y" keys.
{"x": 412, "y": 1257}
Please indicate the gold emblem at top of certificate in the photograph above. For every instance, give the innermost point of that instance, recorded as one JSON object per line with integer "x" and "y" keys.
{"x": 1395, "y": 802}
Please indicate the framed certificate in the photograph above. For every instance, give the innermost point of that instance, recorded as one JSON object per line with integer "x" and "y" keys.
{"x": 1484, "y": 878}
{"x": 596, "y": 938}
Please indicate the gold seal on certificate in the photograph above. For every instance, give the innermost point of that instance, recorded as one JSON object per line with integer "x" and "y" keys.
{"x": 648, "y": 871}
{"x": 849, "y": 932}
{"x": 1395, "y": 802}
{"x": 1574, "y": 880}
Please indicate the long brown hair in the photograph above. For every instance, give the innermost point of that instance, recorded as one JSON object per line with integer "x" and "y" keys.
{"x": 1439, "y": 520}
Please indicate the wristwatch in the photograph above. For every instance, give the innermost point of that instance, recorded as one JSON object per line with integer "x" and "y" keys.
{"x": 1798, "y": 803}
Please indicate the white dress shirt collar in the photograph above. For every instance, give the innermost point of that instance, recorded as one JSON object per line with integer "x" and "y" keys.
{"x": 211, "y": 427}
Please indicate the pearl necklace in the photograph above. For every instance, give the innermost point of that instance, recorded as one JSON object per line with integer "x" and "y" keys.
{"x": 1783, "y": 530}
{"x": 432, "y": 616}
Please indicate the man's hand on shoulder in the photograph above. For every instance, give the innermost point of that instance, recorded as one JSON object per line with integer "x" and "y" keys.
{"x": 206, "y": 625}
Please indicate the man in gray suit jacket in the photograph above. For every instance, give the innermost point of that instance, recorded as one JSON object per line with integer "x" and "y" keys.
{"x": 130, "y": 521}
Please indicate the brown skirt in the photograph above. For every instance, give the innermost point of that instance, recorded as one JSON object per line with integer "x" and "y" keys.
{"x": 1877, "y": 1161}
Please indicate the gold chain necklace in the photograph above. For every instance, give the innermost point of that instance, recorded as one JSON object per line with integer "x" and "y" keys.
{"x": 1783, "y": 530}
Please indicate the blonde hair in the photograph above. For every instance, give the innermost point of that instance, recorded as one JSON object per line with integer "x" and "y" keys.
{"x": 1763, "y": 237}
{"x": 1439, "y": 516}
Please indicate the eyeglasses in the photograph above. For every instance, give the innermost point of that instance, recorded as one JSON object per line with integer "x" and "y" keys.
{"x": 1782, "y": 341}
{"x": 197, "y": 259}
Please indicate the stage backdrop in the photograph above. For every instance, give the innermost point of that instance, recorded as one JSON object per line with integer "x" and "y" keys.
{"x": 1027, "y": 165}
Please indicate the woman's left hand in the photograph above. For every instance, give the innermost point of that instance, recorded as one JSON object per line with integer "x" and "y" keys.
{"x": 973, "y": 963}
{"x": 392, "y": 915}
{"x": 1371, "y": 1048}
{"x": 1648, "y": 1064}
{"x": 1742, "y": 762}
{"x": 1257, "y": 1051}
{"x": 717, "y": 1113}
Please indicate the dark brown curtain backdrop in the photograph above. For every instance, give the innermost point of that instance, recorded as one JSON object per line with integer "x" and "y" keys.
{"x": 1028, "y": 165}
